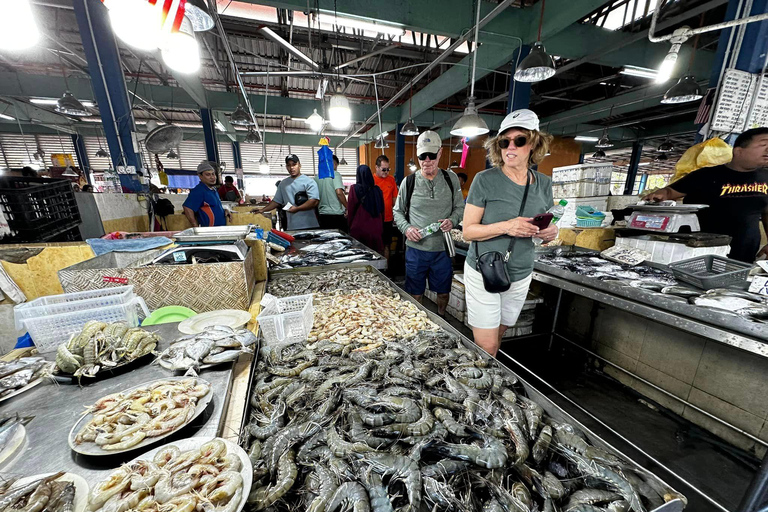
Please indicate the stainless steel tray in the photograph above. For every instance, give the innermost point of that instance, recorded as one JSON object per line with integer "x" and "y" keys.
{"x": 380, "y": 263}
{"x": 213, "y": 234}
{"x": 548, "y": 405}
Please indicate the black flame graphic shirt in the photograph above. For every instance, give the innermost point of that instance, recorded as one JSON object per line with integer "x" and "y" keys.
{"x": 737, "y": 201}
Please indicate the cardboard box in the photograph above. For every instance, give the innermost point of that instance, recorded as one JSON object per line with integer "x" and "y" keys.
{"x": 201, "y": 287}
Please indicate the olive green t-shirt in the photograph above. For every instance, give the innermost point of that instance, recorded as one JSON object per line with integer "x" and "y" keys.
{"x": 500, "y": 197}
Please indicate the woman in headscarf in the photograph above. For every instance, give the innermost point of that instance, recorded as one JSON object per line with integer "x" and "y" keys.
{"x": 365, "y": 210}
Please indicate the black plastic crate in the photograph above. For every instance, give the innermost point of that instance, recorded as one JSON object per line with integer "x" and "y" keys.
{"x": 711, "y": 271}
{"x": 37, "y": 209}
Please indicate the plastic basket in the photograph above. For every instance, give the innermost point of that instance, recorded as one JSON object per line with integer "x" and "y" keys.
{"x": 589, "y": 223}
{"x": 287, "y": 320}
{"x": 69, "y": 302}
{"x": 711, "y": 271}
{"x": 37, "y": 209}
{"x": 48, "y": 332}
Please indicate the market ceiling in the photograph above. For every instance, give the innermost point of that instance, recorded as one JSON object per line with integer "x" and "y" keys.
{"x": 589, "y": 54}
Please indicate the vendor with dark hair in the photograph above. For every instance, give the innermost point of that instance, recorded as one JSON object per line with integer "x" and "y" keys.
{"x": 228, "y": 191}
{"x": 736, "y": 193}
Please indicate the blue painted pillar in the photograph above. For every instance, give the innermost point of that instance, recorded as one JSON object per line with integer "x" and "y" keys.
{"x": 108, "y": 81}
{"x": 519, "y": 92}
{"x": 82, "y": 155}
{"x": 752, "y": 54}
{"x": 400, "y": 155}
{"x": 634, "y": 165}
{"x": 209, "y": 132}
{"x": 238, "y": 158}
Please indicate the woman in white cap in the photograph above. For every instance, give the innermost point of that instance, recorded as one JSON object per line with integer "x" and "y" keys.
{"x": 498, "y": 220}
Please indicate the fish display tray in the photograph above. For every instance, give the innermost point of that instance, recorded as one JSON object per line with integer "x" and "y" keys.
{"x": 379, "y": 263}
{"x": 93, "y": 449}
{"x": 552, "y": 409}
{"x": 81, "y": 487}
{"x": 105, "y": 372}
{"x": 711, "y": 271}
{"x": 29, "y": 386}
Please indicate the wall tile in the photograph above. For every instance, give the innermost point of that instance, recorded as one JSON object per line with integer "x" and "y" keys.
{"x": 622, "y": 332}
{"x": 664, "y": 381}
{"x": 671, "y": 351}
{"x": 737, "y": 377}
{"x": 734, "y": 415}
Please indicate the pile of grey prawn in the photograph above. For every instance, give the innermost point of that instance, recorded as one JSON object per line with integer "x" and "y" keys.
{"x": 423, "y": 424}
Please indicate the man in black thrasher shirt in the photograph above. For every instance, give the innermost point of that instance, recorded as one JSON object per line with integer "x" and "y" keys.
{"x": 737, "y": 195}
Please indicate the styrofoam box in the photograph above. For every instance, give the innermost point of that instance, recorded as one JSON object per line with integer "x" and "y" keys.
{"x": 458, "y": 315}
{"x": 430, "y": 295}
{"x": 580, "y": 189}
{"x": 665, "y": 253}
{"x": 583, "y": 172}
{"x": 457, "y": 302}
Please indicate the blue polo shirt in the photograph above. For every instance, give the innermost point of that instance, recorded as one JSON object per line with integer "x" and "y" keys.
{"x": 205, "y": 202}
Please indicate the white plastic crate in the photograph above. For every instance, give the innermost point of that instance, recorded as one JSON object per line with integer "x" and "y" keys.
{"x": 71, "y": 302}
{"x": 665, "y": 253}
{"x": 600, "y": 173}
{"x": 287, "y": 319}
{"x": 50, "y": 331}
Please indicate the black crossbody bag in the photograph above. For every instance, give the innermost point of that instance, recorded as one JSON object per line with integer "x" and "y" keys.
{"x": 492, "y": 264}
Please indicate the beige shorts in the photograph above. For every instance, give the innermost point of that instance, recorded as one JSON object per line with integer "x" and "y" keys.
{"x": 489, "y": 310}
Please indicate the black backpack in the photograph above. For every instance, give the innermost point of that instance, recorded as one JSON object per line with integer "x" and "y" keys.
{"x": 410, "y": 184}
{"x": 163, "y": 207}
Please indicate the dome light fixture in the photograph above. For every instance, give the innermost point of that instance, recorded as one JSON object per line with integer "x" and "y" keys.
{"x": 180, "y": 50}
{"x": 683, "y": 91}
{"x": 136, "y": 22}
{"x": 71, "y": 106}
{"x": 666, "y": 146}
{"x": 604, "y": 142}
{"x": 315, "y": 122}
{"x": 240, "y": 117}
{"x": 263, "y": 164}
{"x": 339, "y": 112}
{"x": 19, "y": 29}
{"x": 381, "y": 142}
{"x": 599, "y": 154}
{"x": 538, "y": 65}
{"x": 173, "y": 155}
{"x": 253, "y": 137}
{"x": 102, "y": 153}
{"x": 409, "y": 129}
{"x": 343, "y": 161}
{"x": 470, "y": 124}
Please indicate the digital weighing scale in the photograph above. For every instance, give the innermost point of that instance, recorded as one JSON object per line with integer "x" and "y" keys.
{"x": 663, "y": 218}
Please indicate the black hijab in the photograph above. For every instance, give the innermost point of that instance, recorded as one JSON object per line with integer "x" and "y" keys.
{"x": 368, "y": 194}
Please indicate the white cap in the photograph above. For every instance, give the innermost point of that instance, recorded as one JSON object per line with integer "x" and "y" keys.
{"x": 428, "y": 142}
{"x": 522, "y": 118}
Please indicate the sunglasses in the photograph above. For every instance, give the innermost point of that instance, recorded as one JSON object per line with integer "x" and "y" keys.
{"x": 428, "y": 156}
{"x": 519, "y": 141}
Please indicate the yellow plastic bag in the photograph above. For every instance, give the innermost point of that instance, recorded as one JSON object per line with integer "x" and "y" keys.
{"x": 709, "y": 153}
{"x": 163, "y": 178}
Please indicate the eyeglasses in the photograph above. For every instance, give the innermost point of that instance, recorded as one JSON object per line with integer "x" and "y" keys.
{"x": 519, "y": 141}
{"x": 428, "y": 156}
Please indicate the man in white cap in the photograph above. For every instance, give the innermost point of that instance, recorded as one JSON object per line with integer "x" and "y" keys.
{"x": 428, "y": 196}
{"x": 203, "y": 206}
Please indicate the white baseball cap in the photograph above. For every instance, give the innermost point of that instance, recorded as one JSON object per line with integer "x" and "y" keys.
{"x": 522, "y": 118}
{"x": 428, "y": 142}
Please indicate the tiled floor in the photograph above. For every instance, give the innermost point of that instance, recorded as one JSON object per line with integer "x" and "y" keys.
{"x": 700, "y": 459}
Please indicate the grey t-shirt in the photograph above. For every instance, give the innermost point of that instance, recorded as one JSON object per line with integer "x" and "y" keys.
{"x": 431, "y": 202}
{"x": 286, "y": 193}
{"x": 501, "y": 198}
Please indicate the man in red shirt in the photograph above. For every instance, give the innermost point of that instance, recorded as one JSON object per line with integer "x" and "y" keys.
{"x": 388, "y": 186}
{"x": 228, "y": 191}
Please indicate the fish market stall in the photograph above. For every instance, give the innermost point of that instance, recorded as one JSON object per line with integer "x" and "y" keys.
{"x": 56, "y": 408}
{"x": 324, "y": 247}
{"x": 358, "y": 414}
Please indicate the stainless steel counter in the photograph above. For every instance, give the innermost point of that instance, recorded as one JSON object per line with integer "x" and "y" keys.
{"x": 727, "y": 328}
{"x": 295, "y": 248}
{"x": 56, "y": 408}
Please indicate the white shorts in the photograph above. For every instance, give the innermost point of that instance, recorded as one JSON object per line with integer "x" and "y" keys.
{"x": 489, "y": 310}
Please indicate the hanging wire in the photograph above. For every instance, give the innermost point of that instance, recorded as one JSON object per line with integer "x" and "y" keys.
{"x": 541, "y": 20}
{"x": 16, "y": 111}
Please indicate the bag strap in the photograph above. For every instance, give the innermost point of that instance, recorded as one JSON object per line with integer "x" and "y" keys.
{"x": 449, "y": 182}
{"x": 522, "y": 208}
{"x": 410, "y": 184}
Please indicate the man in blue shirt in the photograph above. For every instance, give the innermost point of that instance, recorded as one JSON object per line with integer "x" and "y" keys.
{"x": 300, "y": 192}
{"x": 203, "y": 206}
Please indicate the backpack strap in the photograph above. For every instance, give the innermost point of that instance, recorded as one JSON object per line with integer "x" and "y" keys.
{"x": 450, "y": 183}
{"x": 410, "y": 184}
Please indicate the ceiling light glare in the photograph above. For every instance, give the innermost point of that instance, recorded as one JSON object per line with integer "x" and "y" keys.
{"x": 136, "y": 22}
{"x": 180, "y": 50}
{"x": 339, "y": 112}
{"x": 19, "y": 30}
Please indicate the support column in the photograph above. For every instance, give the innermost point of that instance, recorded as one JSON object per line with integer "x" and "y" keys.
{"x": 108, "y": 82}
{"x": 634, "y": 165}
{"x": 82, "y": 156}
{"x": 399, "y": 155}
{"x": 519, "y": 92}
{"x": 238, "y": 158}
{"x": 209, "y": 132}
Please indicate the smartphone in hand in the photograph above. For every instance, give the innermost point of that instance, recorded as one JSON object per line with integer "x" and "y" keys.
{"x": 542, "y": 220}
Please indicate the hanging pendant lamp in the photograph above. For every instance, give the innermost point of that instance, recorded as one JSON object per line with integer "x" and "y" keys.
{"x": 101, "y": 153}
{"x": 604, "y": 142}
{"x": 173, "y": 155}
{"x": 470, "y": 124}
{"x": 253, "y": 137}
{"x": 538, "y": 65}
{"x": 458, "y": 147}
{"x": 683, "y": 91}
{"x": 409, "y": 129}
{"x": 666, "y": 146}
{"x": 240, "y": 117}
{"x": 71, "y": 106}
{"x": 599, "y": 154}
{"x": 343, "y": 161}
{"x": 339, "y": 112}
{"x": 315, "y": 121}
{"x": 412, "y": 165}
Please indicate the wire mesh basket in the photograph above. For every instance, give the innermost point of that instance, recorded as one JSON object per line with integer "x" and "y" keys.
{"x": 711, "y": 271}
{"x": 286, "y": 320}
